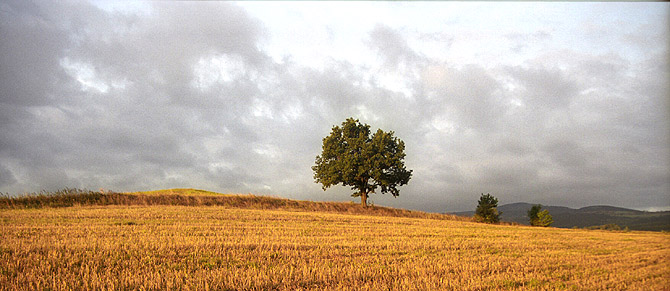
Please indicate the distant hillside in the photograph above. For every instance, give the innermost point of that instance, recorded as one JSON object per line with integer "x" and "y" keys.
{"x": 565, "y": 217}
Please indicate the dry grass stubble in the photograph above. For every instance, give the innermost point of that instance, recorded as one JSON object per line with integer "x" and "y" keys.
{"x": 200, "y": 247}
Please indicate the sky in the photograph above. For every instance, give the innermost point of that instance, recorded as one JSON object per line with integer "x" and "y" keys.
{"x": 553, "y": 103}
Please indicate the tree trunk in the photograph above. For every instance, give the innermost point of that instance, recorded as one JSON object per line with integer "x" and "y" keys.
{"x": 364, "y": 199}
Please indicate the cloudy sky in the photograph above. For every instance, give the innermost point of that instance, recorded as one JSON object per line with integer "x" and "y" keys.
{"x": 552, "y": 103}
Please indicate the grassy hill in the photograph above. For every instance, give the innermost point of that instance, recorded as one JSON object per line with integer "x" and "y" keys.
{"x": 195, "y": 197}
{"x": 191, "y": 239}
{"x": 565, "y": 217}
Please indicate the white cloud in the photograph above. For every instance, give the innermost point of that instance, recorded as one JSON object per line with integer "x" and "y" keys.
{"x": 213, "y": 70}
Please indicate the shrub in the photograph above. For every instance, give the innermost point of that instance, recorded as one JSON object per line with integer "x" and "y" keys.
{"x": 610, "y": 226}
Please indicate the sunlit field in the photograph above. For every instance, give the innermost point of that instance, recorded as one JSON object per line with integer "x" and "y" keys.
{"x": 217, "y": 248}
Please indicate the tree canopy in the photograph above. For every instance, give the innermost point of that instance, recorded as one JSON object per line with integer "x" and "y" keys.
{"x": 487, "y": 209}
{"x": 544, "y": 219}
{"x": 532, "y": 213}
{"x": 364, "y": 162}
{"x": 539, "y": 217}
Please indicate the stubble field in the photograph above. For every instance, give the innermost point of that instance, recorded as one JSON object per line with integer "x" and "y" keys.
{"x": 218, "y": 248}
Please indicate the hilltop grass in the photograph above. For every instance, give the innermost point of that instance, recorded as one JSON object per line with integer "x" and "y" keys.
{"x": 195, "y": 197}
{"x": 170, "y": 247}
{"x": 181, "y": 191}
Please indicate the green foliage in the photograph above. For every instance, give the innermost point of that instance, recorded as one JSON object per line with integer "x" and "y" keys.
{"x": 532, "y": 213}
{"x": 487, "y": 210}
{"x": 544, "y": 219}
{"x": 354, "y": 158}
{"x": 539, "y": 217}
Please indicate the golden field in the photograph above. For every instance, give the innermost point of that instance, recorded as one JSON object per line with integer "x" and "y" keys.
{"x": 120, "y": 247}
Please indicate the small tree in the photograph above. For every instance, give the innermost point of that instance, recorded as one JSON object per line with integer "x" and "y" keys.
{"x": 487, "y": 210}
{"x": 352, "y": 157}
{"x": 539, "y": 217}
{"x": 544, "y": 219}
{"x": 532, "y": 214}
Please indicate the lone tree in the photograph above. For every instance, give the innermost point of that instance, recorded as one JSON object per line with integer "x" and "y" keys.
{"x": 539, "y": 217}
{"x": 354, "y": 158}
{"x": 487, "y": 210}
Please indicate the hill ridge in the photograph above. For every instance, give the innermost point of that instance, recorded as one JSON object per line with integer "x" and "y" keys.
{"x": 588, "y": 216}
{"x": 197, "y": 197}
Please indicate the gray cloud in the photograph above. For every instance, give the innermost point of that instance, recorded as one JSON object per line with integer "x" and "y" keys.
{"x": 138, "y": 115}
{"x": 136, "y": 101}
{"x": 32, "y": 42}
{"x": 544, "y": 87}
{"x": 6, "y": 177}
{"x": 394, "y": 48}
